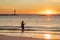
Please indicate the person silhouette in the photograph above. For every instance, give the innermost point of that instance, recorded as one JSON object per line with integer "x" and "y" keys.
{"x": 22, "y": 26}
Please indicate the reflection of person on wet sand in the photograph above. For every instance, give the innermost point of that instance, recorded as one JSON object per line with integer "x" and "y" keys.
{"x": 22, "y": 26}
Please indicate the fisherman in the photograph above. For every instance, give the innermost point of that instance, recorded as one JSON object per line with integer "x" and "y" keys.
{"x": 22, "y": 26}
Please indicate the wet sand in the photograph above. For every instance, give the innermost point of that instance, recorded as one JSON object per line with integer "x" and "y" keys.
{"x": 4, "y": 37}
{"x": 30, "y": 34}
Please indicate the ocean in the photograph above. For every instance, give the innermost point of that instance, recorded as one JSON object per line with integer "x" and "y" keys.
{"x": 39, "y": 24}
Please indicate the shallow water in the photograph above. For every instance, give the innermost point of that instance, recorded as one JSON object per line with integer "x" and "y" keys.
{"x": 30, "y": 20}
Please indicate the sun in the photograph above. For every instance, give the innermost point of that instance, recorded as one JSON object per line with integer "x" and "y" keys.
{"x": 48, "y": 12}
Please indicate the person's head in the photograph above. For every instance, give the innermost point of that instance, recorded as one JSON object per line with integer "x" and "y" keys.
{"x": 22, "y": 21}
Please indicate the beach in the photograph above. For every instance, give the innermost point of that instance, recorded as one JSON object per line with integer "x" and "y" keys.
{"x": 29, "y": 35}
{"x": 36, "y": 27}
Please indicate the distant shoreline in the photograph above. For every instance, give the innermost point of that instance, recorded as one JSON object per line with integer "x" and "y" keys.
{"x": 27, "y": 14}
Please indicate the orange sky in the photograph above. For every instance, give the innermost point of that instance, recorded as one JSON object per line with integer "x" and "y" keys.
{"x": 28, "y": 6}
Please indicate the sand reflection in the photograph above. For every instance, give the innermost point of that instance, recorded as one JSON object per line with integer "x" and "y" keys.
{"x": 47, "y": 36}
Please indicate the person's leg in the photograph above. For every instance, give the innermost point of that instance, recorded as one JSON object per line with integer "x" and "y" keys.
{"x": 23, "y": 29}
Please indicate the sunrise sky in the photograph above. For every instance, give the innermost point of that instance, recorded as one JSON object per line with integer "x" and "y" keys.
{"x": 28, "y": 6}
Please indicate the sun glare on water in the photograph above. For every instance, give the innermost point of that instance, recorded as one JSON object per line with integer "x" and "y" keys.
{"x": 47, "y": 36}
